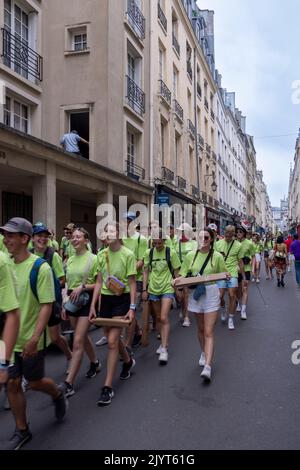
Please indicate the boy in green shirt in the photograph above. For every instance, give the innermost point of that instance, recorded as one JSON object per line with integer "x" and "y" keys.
{"x": 9, "y": 315}
{"x": 29, "y": 349}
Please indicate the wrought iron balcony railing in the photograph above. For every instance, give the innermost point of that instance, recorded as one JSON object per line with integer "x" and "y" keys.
{"x": 212, "y": 115}
{"x": 216, "y": 204}
{"x": 164, "y": 92}
{"x": 178, "y": 110}
{"x": 191, "y": 129}
{"x": 134, "y": 171}
{"x": 162, "y": 17}
{"x": 167, "y": 175}
{"x": 199, "y": 90}
{"x": 200, "y": 141}
{"x": 206, "y": 104}
{"x": 208, "y": 149}
{"x": 189, "y": 70}
{"x": 211, "y": 200}
{"x": 181, "y": 182}
{"x": 135, "y": 95}
{"x": 195, "y": 192}
{"x": 20, "y": 57}
{"x": 136, "y": 18}
{"x": 175, "y": 43}
{"x": 204, "y": 197}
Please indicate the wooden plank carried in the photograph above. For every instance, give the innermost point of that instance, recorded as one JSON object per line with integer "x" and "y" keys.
{"x": 194, "y": 281}
{"x": 107, "y": 322}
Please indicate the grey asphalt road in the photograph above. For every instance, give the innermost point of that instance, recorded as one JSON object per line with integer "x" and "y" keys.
{"x": 253, "y": 401}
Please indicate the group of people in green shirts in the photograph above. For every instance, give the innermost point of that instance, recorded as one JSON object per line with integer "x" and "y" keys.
{"x": 125, "y": 273}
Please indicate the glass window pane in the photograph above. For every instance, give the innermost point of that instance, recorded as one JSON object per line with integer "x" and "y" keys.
{"x": 18, "y": 12}
{"x": 24, "y": 111}
{"x": 17, "y": 122}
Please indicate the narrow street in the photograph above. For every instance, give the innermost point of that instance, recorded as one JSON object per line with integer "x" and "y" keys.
{"x": 252, "y": 402}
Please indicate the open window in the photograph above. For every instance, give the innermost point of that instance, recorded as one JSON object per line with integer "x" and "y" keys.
{"x": 80, "y": 122}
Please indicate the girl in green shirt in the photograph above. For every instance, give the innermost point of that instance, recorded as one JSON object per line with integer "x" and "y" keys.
{"x": 160, "y": 265}
{"x": 81, "y": 274}
{"x": 207, "y": 306}
{"x": 116, "y": 265}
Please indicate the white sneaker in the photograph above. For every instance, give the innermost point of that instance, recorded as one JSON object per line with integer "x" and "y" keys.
{"x": 257, "y": 281}
{"x": 202, "y": 360}
{"x": 206, "y": 373}
{"x": 163, "y": 357}
{"x": 159, "y": 350}
{"x": 186, "y": 323}
{"x": 244, "y": 315}
{"x": 239, "y": 308}
{"x": 102, "y": 341}
{"x": 253, "y": 279}
{"x": 230, "y": 324}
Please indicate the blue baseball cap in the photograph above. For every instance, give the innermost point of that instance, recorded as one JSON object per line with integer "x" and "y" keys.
{"x": 40, "y": 228}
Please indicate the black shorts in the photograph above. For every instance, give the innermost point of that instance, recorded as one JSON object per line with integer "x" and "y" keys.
{"x": 84, "y": 311}
{"x": 114, "y": 306}
{"x": 33, "y": 368}
{"x": 266, "y": 254}
{"x": 247, "y": 275}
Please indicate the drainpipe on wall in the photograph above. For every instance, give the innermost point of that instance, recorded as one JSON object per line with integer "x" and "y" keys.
{"x": 196, "y": 118}
{"x": 151, "y": 103}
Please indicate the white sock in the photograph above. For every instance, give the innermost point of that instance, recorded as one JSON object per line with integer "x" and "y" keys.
{"x": 244, "y": 308}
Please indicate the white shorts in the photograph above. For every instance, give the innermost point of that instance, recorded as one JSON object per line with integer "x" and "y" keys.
{"x": 208, "y": 303}
{"x": 258, "y": 257}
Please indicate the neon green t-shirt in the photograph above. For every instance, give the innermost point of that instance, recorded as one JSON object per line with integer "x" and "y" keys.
{"x": 8, "y": 285}
{"x": 77, "y": 266}
{"x": 247, "y": 250}
{"x": 160, "y": 277}
{"x": 122, "y": 264}
{"x": 258, "y": 247}
{"x": 2, "y": 246}
{"x": 57, "y": 264}
{"x": 193, "y": 264}
{"x": 232, "y": 262}
{"x": 29, "y": 305}
{"x": 172, "y": 243}
{"x": 138, "y": 245}
{"x": 54, "y": 244}
{"x": 183, "y": 248}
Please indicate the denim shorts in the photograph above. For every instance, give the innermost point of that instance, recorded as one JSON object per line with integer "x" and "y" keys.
{"x": 157, "y": 298}
{"x": 231, "y": 284}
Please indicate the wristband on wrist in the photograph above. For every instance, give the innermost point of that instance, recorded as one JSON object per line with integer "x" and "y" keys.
{"x": 132, "y": 307}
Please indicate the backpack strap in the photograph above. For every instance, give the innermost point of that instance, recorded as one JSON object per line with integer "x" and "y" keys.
{"x": 168, "y": 259}
{"x": 33, "y": 277}
{"x": 151, "y": 258}
{"x": 228, "y": 253}
{"x": 48, "y": 255}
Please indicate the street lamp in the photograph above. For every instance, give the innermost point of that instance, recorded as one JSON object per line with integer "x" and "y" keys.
{"x": 214, "y": 185}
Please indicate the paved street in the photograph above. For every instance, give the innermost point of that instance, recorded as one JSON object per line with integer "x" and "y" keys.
{"x": 252, "y": 403}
